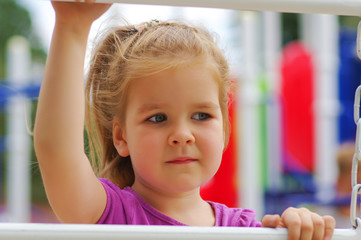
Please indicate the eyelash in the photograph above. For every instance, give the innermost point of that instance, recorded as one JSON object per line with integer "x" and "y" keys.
{"x": 154, "y": 117}
{"x": 200, "y": 117}
{"x": 206, "y": 116}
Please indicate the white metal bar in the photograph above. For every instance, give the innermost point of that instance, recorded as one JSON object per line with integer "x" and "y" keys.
{"x": 17, "y": 231}
{"x": 336, "y": 7}
{"x": 272, "y": 48}
{"x": 18, "y": 140}
{"x": 251, "y": 195}
{"x": 323, "y": 32}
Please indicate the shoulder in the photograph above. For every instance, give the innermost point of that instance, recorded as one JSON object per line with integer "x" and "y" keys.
{"x": 121, "y": 204}
{"x": 114, "y": 191}
{"x": 234, "y": 217}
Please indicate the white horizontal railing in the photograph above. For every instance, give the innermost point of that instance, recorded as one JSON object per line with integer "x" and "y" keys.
{"x": 34, "y": 231}
{"x": 336, "y": 7}
{"x": 30, "y": 231}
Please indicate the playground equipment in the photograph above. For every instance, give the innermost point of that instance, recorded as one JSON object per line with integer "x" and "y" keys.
{"x": 18, "y": 141}
{"x": 120, "y": 232}
{"x": 336, "y": 7}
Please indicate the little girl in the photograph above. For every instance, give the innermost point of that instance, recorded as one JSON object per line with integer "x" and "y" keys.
{"x": 156, "y": 116}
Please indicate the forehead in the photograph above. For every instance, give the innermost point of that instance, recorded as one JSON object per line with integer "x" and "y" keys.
{"x": 184, "y": 84}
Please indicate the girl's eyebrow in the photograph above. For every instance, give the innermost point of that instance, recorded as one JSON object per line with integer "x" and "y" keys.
{"x": 150, "y": 107}
{"x": 155, "y": 106}
{"x": 203, "y": 105}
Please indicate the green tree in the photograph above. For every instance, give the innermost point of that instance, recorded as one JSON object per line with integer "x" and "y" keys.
{"x": 16, "y": 20}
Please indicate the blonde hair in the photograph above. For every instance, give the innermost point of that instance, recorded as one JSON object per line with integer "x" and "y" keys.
{"x": 132, "y": 52}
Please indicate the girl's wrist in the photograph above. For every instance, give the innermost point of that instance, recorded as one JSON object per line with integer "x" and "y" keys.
{"x": 70, "y": 37}
{"x": 77, "y": 29}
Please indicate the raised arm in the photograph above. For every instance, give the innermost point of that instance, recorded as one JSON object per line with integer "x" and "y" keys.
{"x": 73, "y": 190}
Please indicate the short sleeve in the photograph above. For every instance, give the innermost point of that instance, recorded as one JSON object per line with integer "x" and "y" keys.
{"x": 234, "y": 217}
{"x": 114, "y": 210}
{"x": 247, "y": 218}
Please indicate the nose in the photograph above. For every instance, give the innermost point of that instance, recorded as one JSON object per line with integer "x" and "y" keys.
{"x": 181, "y": 135}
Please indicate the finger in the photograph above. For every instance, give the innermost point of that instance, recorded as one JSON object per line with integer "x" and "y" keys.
{"x": 292, "y": 221}
{"x": 306, "y": 224}
{"x": 271, "y": 221}
{"x": 330, "y": 225}
{"x": 318, "y": 226}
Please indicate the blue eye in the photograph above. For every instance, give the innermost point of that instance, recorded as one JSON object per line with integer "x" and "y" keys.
{"x": 201, "y": 116}
{"x": 158, "y": 118}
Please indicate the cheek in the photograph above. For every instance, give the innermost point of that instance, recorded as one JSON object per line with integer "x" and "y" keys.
{"x": 212, "y": 149}
{"x": 212, "y": 142}
{"x": 145, "y": 144}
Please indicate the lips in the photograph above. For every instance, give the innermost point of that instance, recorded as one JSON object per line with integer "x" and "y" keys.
{"x": 182, "y": 160}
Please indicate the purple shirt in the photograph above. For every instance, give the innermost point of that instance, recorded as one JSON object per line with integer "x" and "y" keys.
{"x": 125, "y": 206}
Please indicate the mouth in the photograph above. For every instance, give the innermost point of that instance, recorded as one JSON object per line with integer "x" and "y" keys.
{"x": 182, "y": 160}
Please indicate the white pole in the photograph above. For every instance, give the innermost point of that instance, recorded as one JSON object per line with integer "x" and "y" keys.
{"x": 18, "y": 141}
{"x": 337, "y": 7}
{"x": 321, "y": 36}
{"x": 272, "y": 49}
{"x": 31, "y": 231}
{"x": 251, "y": 193}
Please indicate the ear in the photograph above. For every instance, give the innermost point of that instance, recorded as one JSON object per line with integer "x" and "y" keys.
{"x": 119, "y": 140}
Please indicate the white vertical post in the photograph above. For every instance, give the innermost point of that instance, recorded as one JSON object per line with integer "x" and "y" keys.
{"x": 251, "y": 195}
{"x": 18, "y": 142}
{"x": 322, "y": 38}
{"x": 272, "y": 49}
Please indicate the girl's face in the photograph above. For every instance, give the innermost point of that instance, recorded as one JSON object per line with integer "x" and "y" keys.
{"x": 173, "y": 129}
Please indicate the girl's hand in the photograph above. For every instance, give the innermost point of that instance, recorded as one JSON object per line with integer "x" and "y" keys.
{"x": 78, "y": 14}
{"x": 302, "y": 224}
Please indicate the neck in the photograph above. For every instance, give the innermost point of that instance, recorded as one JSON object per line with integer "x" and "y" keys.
{"x": 185, "y": 207}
